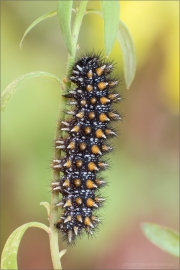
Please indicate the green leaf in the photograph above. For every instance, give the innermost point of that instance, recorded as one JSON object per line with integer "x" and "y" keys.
{"x": 62, "y": 252}
{"x": 45, "y": 16}
{"x": 47, "y": 206}
{"x": 165, "y": 238}
{"x": 128, "y": 51}
{"x": 9, "y": 254}
{"x": 64, "y": 11}
{"x": 111, "y": 13}
{"x": 13, "y": 86}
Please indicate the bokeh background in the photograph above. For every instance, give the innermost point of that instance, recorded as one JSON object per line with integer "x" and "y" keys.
{"x": 143, "y": 176}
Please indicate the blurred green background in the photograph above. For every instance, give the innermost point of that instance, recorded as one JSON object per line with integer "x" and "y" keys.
{"x": 143, "y": 172}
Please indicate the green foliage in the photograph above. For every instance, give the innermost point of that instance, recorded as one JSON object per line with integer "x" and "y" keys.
{"x": 111, "y": 13}
{"x": 14, "y": 85}
{"x": 64, "y": 12}
{"x": 45, "y": 16}
{"x": 165, "y": 238}
{"x": 127, "y": 46}
{"x": 113, "y": 29}
{"x": 128, "y": 51}
{"x": 80, "y": 12}
{"x": 61, "y": 253}
{"x": 47, "y": 206}
{"x": 9, "y": 254}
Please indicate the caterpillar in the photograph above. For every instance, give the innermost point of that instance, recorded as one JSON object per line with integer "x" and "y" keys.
{"x": 88, "y": 129}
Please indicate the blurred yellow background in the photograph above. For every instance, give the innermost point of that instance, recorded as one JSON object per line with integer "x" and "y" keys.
{"x": 143, "y": 174}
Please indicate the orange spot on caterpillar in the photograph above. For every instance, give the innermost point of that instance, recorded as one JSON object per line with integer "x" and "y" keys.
{"x": 68, "y": 203}
{"x": 80, "y": 115}
{"x": 71, "y": 145}
{"x": 83, "y": 102}
{"x": 93, "y": 100}
{"x": 100, "y": 134}
{"x": 100, "y": 70}
{"x": 89, "y": 88}
{"x": 79, "y": 201}
{"x": 102, "y": 85}
{"x": 90, "y": 74}
{"x": 67, "y": 164}
{"x": 79, "y": 218}
{"x": 88, "y": 222}
{"x": 91, "y": 115}
{"x": 91, "y": 203}
{"x": 82, "y": 146}
{"x": 66, "y": 183}
{"x": 92, "y": 167}
{"x": 103, "y": 117}
{"x": 95, "y": 150}
{"x": 104, "y": 100}
{"x": 79, "y": 163}
{"x": 90, "y": 184}
{"x": 77, "y": 182}
{"x": 75, "y": 129}
{"x": 87, "y": 130}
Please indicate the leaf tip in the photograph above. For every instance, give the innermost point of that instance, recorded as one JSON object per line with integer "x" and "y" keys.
{"x": 129, "y": 81}
{"x": 47, "y": 206}
{"x": 20, "y": 44}
{"x": 62, "y": 252}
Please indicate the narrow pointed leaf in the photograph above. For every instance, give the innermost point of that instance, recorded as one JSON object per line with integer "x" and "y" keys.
{"x": 47, "y": 206}
{"x": 13, "y": 86}
{"x": 62, "y": 252}
{"x": 128, "y": 51}
{"x": 111, "y": 13}
{"x": 165, "y": 238}
{"x": 64, "y": 11}
{"x": 45, "y": 16}
{"x": 10, "y": 250}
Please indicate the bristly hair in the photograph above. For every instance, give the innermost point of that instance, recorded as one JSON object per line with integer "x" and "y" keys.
{"x": 88, "y": 128}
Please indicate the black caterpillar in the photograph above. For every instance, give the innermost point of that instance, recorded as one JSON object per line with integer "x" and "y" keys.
{"x": 88, "y": 128}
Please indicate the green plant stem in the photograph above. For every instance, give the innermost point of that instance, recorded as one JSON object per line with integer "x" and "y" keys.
{"x": 75, "y": 33}
{"x": 54, "y": 215}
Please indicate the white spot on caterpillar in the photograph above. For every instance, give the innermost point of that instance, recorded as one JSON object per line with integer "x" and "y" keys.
{"x": 78, "y": 67}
